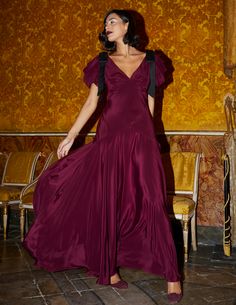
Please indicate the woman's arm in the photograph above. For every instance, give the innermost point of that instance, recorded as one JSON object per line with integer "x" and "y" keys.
{"x": 87, "y": 110}
{"x": 151, "y": 104}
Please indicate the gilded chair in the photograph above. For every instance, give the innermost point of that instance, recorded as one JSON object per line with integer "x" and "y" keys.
{"x": 182, "y": 175}
{"x": 18, "y": 171}
{"x": 3, "y": 158}
{"x": 26, "y": 196}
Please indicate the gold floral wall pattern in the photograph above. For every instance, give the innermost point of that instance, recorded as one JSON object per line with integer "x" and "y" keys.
{"x": 44, "y": 45}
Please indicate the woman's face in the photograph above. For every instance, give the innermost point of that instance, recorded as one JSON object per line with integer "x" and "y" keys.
{"x": 115, "y": 27}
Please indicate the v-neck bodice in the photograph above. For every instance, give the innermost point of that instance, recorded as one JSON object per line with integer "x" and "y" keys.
{"x": 126, "y": 107}
{"x": 125, "y": 74}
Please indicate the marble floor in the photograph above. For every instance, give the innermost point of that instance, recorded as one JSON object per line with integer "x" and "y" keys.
{"x": 209, "y": 278}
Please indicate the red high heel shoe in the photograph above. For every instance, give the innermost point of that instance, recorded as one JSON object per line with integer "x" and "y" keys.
{"x": 174, "y": 298}
{"x": 120, "y": 285}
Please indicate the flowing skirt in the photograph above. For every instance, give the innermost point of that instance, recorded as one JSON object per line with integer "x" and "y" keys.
{"x": 102, "y": 207}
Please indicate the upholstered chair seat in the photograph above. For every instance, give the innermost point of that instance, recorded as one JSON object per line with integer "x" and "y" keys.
{"x": 8, "y": 193}
{"x": 181, "y": 205}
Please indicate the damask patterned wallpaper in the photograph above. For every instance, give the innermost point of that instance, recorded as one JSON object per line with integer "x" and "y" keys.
{"x": 44, "y": 45}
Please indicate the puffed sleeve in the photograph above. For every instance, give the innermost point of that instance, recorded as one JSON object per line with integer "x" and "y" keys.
{"x": 91, "y": 72}
{"x": 164, "y": 69}
{"x": 160, "y": 70}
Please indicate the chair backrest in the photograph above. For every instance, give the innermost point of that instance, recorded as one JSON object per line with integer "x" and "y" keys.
{"x": 3, "y": 159}
{"x": 182, "y": 172}
{"x": 19, "y": 168}
{"x": 52, "y": 158}
{"x": 31, "y": 186}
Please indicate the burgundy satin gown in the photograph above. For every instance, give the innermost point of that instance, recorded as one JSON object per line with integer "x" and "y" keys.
{"x": 104, "y": 205}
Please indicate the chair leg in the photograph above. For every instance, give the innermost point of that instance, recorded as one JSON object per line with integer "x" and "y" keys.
{"x": 185, "y": 235}
{"x": 5, "y": 216}
{"x": 193, "y": 233}
{"x": 26, "y": 221}
{"x": 22, "y": 223}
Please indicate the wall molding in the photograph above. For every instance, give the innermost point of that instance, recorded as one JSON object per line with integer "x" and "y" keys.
{"x": 92, "y": 134}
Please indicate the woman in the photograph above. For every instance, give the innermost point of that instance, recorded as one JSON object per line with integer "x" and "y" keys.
{"x": 104, "y": 205}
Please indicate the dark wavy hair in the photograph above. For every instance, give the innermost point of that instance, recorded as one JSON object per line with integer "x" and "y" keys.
{"x": 132, "y": 37}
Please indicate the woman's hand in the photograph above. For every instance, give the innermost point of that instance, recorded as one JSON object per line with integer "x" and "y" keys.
{"x": 64, "y": 147}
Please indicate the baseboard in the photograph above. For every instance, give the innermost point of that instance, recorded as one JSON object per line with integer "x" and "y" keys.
{"x": 211, "y": 236}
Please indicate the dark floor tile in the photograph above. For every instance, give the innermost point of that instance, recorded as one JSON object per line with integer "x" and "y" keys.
{"x": 87, "y": 298}
{"x": 63, "y": 282}
{"x": 155, "y": 289}
{"x": 228, "y": 302}
{"x": 40, "y": 274}
{"x": 213, "y": 255}
{"x": 219, "y": 277}
{"x": 199, "y": 294}
{"x": 18, "y": 289}
{"x": 11, "y": 250}
{"x": 194, "y": 293}
{"x": 80, "y": 285}
{"x": 91, "y": 282}
{"x": 48, "y": 286}
{"x": 13, "y": 265}
{"x": 76, "y": 273}
{"x": 6, "y": 278}
{"x": 135, "y": 295}
{"x": 35, "y": 301}
{"x": 109, "y": 296}
{"x": 57, "y": 300}
{"x": 198, "y": 274}
{"x": 30, "y": 261}
{"x": 131, "y": 275}
{"x": 218, "y": 254}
